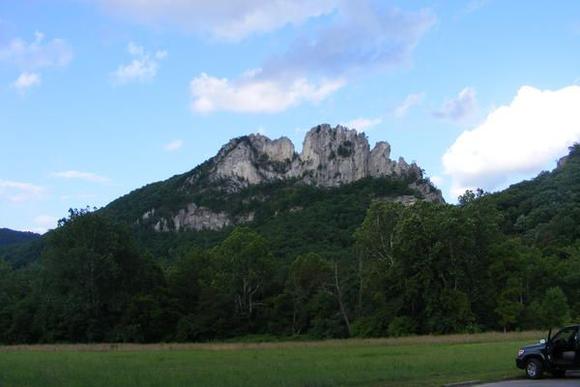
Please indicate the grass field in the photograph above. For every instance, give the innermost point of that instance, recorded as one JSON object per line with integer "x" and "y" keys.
{"x": 413, "y": 361}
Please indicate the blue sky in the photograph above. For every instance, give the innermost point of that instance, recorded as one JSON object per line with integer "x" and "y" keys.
{"x": 98, "y": 98}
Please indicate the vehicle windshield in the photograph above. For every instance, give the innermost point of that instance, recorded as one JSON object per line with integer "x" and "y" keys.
{"x": 565, "y": 335}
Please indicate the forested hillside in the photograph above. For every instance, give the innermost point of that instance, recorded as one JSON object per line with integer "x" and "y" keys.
{"x": 545, "y": 211}
{"x": 11, "y": 237}
{"x": 295, "y": 218}
{"x": 354, "y": 260}
{"x": 19, "y": 248}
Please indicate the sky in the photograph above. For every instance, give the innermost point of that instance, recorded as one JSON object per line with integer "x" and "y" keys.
{"x": 100, "y": 97}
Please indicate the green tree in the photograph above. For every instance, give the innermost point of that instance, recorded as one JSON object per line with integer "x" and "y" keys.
{"x": 555, "y": 308}
{"x": 244, "y": 271}
{"x": 91, "y": 270}
{"x": 402, "y": 326}
{"x": 509, "y": 305}
{"x": 309, "y": 275}
{"x": 374, "y": 250}
{"x": 6, "y": 298}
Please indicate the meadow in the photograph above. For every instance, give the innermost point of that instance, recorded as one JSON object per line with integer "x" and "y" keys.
{"x": 411, "y": 361}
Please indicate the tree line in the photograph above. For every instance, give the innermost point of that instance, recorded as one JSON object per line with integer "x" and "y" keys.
{"x": 425, "y": 268}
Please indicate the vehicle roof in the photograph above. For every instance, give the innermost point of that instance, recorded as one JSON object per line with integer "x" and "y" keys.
{"x": 568, "y": 326}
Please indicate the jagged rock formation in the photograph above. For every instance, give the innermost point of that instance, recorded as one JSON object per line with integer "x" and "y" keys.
{"x": 330, "y": 157}
{"x": 562, "y": 161}
{"x": 199, "y": 218}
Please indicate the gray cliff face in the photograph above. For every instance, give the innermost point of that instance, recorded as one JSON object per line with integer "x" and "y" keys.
{"x": 562, "y": 162}
{"x": 198, "y": 218}
{"x": 254, "y": 159}
{"x": 330, "y": 157}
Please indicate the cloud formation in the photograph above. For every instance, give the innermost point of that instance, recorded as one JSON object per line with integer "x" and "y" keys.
{"x": 362, "y": 124}
{"x": 460, "y": 107}
{"x": 222, "y": 19}
{"x": 17, "y": 192}
{"x": 78, "y": 175}
{"x": 363, "y": 36}
{"x": 43, "y": 223}
{"x": 173, "y": 145}
{"x": 357, "y": 39}
{"x": 32, "y": 56}
{"x": 36, "y": 54}
{"x": 255, "y": 95}
{"x": 519, "y": 138}
{"x": 475, "y": 5}
{"x": 142, "y": 68}
{"x": 26, "y": 80}
{"x": 437, "y": 180}
{"x": 408, "y": 103}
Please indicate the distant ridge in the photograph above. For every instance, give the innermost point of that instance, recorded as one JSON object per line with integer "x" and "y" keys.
{"x": 13, "y": 237}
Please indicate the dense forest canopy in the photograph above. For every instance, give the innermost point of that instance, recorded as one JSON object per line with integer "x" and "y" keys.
{"x": 340, "y": 262}
{"x": 11, "y": 237}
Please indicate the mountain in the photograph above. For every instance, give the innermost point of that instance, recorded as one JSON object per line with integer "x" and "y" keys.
{"x": 19, "y": 248}
{"x": 223, "y": 191}
{"x": 12, "y": 237}
{"x": 545, "y": 211}
{"x": 336, "y": 241}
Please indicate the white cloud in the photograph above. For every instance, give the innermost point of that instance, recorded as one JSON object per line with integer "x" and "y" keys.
{"x": 44, "y": 223}
{"x": 362, "y": 124}
{"x": 408, "y": 103}
{"x": 222, "y": 19}
{"x": 173, "y": 145}
{"x": 17, "y": 192}
{"x": 78, "y": 196}
{"x": 36, "y": 54}
{"x": 437, "y": 180}
{"x": 475, "y": 5}
{"x": 78, "y": 175}
{"x": 353, "y": 41}
{"x": 26, "y": 80}
{"x": 253, "y": 95}
{"x": 519, "y": 138}
{"x": 142, "y": 68}
{"x": 460, "y": 107}
{"x": 363, "y": 36}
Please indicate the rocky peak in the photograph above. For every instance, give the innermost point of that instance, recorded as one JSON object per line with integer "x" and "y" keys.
{"x": 562, "y": 161}
{"x": 330, "y": 157}
{"x": 333, "y": 156}
{"x": 253, "y": 159}
{"x": 280, "y": 149}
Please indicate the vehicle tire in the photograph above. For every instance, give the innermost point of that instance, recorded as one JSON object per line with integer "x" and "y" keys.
{"x": 534, "y": 369}
{"x": 558, "y": 373}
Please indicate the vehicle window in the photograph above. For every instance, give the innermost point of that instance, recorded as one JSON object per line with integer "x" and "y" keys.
{"x": 565, "y": 335}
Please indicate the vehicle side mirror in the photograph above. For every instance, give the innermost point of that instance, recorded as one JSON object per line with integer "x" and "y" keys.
{"x": 543, "y": 341}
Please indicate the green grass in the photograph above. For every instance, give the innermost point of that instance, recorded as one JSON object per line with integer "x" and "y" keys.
{"x": 417, "y": 361}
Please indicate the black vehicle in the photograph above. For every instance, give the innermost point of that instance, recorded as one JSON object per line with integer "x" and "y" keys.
{"x": 555, "y": 354}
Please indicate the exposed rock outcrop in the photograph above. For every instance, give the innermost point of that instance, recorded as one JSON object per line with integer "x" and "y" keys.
{"x": 198, "y": 218}
{"x": 562, "y": 162}
{"x": 254, "y": 159}
{"x": 330, "y": 157}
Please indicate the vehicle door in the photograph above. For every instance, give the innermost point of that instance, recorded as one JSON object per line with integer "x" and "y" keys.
{"x": 577, "y": 362}
{"x": 563, "y": 348}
